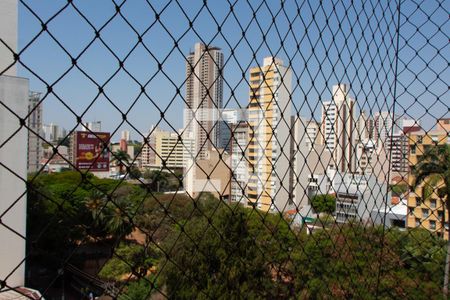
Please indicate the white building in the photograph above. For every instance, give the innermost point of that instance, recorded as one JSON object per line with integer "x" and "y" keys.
{"x": 204, "y": 96}
{"x": 371, "y": 158}
{"x": 392, "y": 215}
{"x": 95, "y": 126}
{"x": 364, "y": 127}
{"x": 357, "y": 196}
{"x": 386, "y": 124}
{"x": 52, "y": 132}
{"x": 34, "y": 122}
{"x": 13, "y": 154}
{"x": 312, "y": 133}
{"x": 338, "y": 126}
{"x": 239, "y": 163}
{"x": 310, "y": 173}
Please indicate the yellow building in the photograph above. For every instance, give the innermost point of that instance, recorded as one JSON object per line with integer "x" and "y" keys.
{"x": 269, "y": 117}
{"x": 166, "y": 149}
{"x": 425, "y": 208}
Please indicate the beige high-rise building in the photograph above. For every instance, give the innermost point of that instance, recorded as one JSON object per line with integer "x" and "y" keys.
{"x": 338, "y": 125}
{"x": 166, "y": 149}
{"x": 269, "y": 149}
{"x": 426, "y": 211}
{"x": 204, "y": 96}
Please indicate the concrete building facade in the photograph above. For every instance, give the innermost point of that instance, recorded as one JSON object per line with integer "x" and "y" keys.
{"x": 338, "y": 125}
{"x": 35, "y": 133}
{"x": 309, "y": 168}
{"x": 239, "y": 163}
{"x": 357, "y": 196}
{"x": 166, "y": 149}
{"x": 204, "y": 97}
{"x": 269, "y": 145}
{"x": 14, "y": 93}
{"x": 426, "y": 211}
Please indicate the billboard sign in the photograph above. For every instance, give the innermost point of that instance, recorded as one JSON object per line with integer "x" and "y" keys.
{"x": 90, "y": 151}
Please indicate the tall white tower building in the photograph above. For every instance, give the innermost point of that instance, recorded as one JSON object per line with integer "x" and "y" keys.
{"x": 204, "y": 96}
{"x": 34, "y": 122}
{"x": 338, "y": 125}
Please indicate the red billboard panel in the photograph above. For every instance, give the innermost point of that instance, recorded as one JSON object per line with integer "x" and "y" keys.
{"x": 90, "y": 151}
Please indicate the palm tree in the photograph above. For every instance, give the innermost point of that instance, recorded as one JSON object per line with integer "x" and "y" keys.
{"x": 431, "y": 169}
{"x": 96, "y": 204}
{"x": 121, "y": 158}
{"x": 118, "y": 214}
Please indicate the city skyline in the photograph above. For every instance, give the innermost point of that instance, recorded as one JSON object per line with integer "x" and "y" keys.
{"x": 311, "y": 81}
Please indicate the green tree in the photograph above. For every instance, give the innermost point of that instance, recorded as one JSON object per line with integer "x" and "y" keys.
{"x": 158, "y": 179}
{"x": 398, "y": 189}
{"x": 220, "y": 258}
{"x": 324, "y": 203}
{"x": 135, "y": 173}
{"x": 128, "y": 258}
{"x": 435, "y": 163}
{"x": 137, "y": 290}
{"x": 122, "y": 159}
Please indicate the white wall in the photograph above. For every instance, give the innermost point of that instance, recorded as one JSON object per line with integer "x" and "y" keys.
{"x": 8, "y": 33}
{"x": 13, "y": 155}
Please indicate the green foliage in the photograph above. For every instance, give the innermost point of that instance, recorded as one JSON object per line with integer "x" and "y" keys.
{"x": 122, "y": 159}
{"x": 67, "y": 208}
{"x": 137, "y": 290}
{"x": 355, "y": 262}
{"x": 398, "y": 189}
{"x": 126, "y": 258}
{"x": 220, "y": 251}
{"x": 135, "y": 173}
{"x": 161, "y": 181}
{"x": 324, "y": 203}
{"x": 223, "y": 259}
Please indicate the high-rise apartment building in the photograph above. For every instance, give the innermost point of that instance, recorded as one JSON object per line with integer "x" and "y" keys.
{"x": 239, "y": 164}
{"x": 52, "y": 132}
{"x": 397, "y": 147}
{"x": 338, "y": 125}
{"x": 386, "y": 124}
{"x": 364, "y": 127}
{"x": 95, "y": 126}
{"x": 204, "y": 96}
{"x": 34, "y": 122}
{"x": 312, "y": 133}
{"x": 166, "y": 149}
{"x": 309, "y": 168}
{"x": 269, "y": 149}
{"x": 426, "y": 209}
{"x": 372, "y": 159}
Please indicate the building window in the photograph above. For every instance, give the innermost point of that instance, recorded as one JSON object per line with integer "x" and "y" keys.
{"x": 419, "y": 139}
{"x": 411, "y": 211}
{"x": 413, "y": 149}
{"x": 425, "y": 213}
{"x": 440, "y": 215}
{"x": 418, "y": 201}
{"x": 432, "y": 203}
{"x": 417, "y": 222}
{"x": 433, "y": 225}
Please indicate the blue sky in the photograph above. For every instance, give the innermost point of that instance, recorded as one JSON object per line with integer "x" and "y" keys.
{"x": 325, "y": 44}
